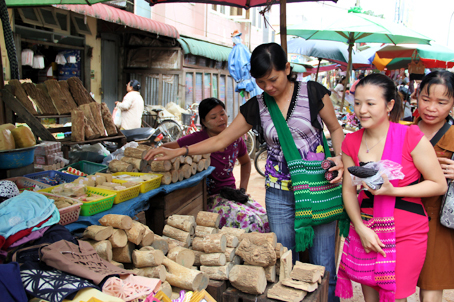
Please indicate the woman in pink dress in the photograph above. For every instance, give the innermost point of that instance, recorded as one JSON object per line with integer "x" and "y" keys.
{"x": 387, "y": 243}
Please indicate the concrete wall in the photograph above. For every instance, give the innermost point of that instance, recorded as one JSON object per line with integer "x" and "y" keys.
{"x": 95, "y": 62}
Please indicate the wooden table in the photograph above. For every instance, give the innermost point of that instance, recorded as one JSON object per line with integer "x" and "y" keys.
{"x": 185, "y": 201}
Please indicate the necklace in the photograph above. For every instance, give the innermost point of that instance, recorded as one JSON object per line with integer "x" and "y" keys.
{"x": 367, "y": 147}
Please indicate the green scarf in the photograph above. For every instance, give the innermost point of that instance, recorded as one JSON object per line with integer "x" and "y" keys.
{"x": 316, "y": 200}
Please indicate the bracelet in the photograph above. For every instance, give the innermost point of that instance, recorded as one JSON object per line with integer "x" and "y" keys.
{"x": 187, "y": 151}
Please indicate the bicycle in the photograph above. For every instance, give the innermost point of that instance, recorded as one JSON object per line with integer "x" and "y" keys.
{"x": 260, "y": 159}
{"x": 249, "y": 139}
{"x": 170, "y": 129}
{"x": 188, "y": 120}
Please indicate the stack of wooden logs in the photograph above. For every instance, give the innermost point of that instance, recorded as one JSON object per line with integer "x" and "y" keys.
{"x": 89, "y": 119}
{"x": 177, "y": 169}
{"x": 295, "y": 285}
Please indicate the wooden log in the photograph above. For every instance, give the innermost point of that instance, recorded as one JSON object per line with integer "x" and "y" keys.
{"x": 148, "y": 237}
{"x": 279, "y": 249}
{"x": 196, "y": 158}
{"x": 135, "y": 153}
{"x": 202, "y": 231}
{"x": 97, "y": 232}
{"x": 64, "y": 89}
{"x": 194, "y": 168}
{"x": 147, "y": 258}
{"x": 166, "y": 288}
{"x": 182, "y": 256}
{"x": 217, "y": 272}
{"x": 78, "y": 91}
{"x": 207, "y": 163}
{"x": 248, "y": 279}
{"x": 118, "y": 238}
{"x": 108, "y": 120}
{"x": 213, "y": 259}
{"x": 174, "y": 243}
{"x": 197, "y": 244}
{"x": 187, "y": 160}
{"x": 233, "y": 231}
{"x": 160, "y": 165}
{"x": 136, "y": 232}
{"x": 180, "y": 175}
{"x": 187, "y": 171}
{"x": 204, "y": 282}
{"x": 77, "y": 126}
{"x": 123, "y": 254}
{"x": 229, "y": 254}
{"x": 256, "y": 254}
{"x": 309, "y": 287}
{"x": 181, "y": 159}
{"x": 117, "y": 221}
{"x": 160, "y": 244}
{"x": 175, "y": 175}
{"x": 166, "y": 178}
{"x": 42, "y": 100}
{"x": 214, "y": 243}
{"x": 119, "y": 166}
{"x": 147, "y": 169}
{"x": 138, "y": 164}
{"x": 207, "y": 155}
{"x": 258, "y": 238}
{"x": 176, "y": 165}
{"x": 183, "y": 222}
{"x": 103, "y": 248}
{"x": 90, "y": 119}
{"x": 20, "y": 94}
{"x": 284, "y": 293}
{"x": 200, "y": 166}
{"x": 117, "y": 264}
{"x": 270, "y": 273}
{"x": 177, "y": 234}
{"x": 197, "y": 255}
{"x": 63, "y": 105}
{"x": 232, "y": 241}
{"x": 96, "y": 112}
{"x": 158, "y": 272}
{"x": 237, "y": 260}
{"x": 208, "y": 219}
{"x": 285, "y": 266}
{"x": 89, "y": 133}
{"x": 183, "y": 277}
{"x": 307, "y": 272}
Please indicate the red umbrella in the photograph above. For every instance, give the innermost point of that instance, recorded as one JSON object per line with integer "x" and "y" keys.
{"x": 247, "y": 4}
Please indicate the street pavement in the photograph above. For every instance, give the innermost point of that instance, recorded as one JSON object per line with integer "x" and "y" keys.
{"x": 256, "y": 188}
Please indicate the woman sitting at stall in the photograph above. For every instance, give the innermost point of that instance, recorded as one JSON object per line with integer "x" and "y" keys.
{"x": 250, "y": 216}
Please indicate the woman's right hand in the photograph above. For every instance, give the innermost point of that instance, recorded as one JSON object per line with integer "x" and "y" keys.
{"x": 167, "y": 154}
{"x": 370, "y": 240}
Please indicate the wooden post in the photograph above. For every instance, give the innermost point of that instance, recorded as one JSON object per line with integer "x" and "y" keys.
{"x": 283, "y": 24}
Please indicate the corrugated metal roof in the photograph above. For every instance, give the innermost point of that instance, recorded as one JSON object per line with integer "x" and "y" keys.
{"x": 118, "y": 16}
{"x": 205, "y": 49}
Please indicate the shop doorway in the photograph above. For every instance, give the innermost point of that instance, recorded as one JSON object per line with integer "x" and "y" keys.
{"x": 109, "y": 69}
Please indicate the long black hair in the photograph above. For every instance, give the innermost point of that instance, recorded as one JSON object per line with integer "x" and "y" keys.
{"x": 266, "y": 57}
{"x": 389, "y": 93}
{"x": 206, "y": 106}
{"x": 135, "y": 85}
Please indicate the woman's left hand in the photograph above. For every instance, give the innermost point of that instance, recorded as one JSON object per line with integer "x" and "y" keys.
{"x": 386, "y": 188}
{"x": 339, "y": 167}
{"x": 447, "y": 165}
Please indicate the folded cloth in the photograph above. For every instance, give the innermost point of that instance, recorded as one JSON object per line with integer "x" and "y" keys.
{"x": 11, "y": 287}
{"x": 32, "y": 236}
{"x": 24, "y": 211}
{"x": 21, "y": 234}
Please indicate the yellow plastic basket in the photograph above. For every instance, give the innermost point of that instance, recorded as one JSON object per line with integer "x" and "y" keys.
{"x": 146, "y": 185}
{"x": 126, "y": 194}
{"x": 93, "y": 207}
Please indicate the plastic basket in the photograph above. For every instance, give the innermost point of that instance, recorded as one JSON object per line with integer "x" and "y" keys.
{"x": 146, "y": 185}
{"x": 69, "y": 214}
{"x": 87, "y": 167}
{"x": 25, "y": 183}
{"x": 51, "y": 174}
{"x": 186, "y": 118}
{"x": 126, "y": 194}
{"x": 93, "y": 207}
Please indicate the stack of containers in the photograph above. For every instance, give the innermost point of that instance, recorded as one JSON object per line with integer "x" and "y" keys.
{"x": 48, "y": 156}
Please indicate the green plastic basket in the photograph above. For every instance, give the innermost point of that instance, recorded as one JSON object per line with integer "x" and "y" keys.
{"x": 87, "y": 167}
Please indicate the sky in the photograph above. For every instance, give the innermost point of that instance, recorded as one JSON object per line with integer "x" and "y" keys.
{"x": 430, "y": 18}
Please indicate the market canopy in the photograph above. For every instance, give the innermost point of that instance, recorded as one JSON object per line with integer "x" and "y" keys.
{"x": 204, "y": 49}
{"x": 17, "y": 3}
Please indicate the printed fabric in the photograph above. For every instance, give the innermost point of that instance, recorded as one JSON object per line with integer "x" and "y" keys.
{"x": 372, "y": 269}
{"x": 316, "y": 200}
{"x": 250, "y": 216}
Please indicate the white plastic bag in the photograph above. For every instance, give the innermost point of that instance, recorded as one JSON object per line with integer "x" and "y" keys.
{"x": 27, "y": 57}
{"x": 117, "y": 116}
{"x": 391, "y": 169}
